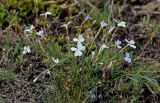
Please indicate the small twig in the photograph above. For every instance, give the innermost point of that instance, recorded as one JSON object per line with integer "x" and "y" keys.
{"x": 152, "y": 12}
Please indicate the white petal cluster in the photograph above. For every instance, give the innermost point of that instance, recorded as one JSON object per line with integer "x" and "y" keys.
{"x": 26, "y": 49}
{"x": 40, "y": 33}
{"x": 30, "y": 29}
{"x": 56, "y": 61}
{"x": 78, "y": 50}
{"x": 103, "y": 46}
{"x": 127, "y": 58}
{"x": 118, "y": 44}
{"x": 121, "y": 24}
{"x": 131, "y": 43}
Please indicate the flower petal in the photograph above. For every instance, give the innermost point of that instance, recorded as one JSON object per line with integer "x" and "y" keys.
{"x": 127, "y": 54}
{"x": 73, "y": 49}
{"x": 80, "y": 38}
{"x": 77, "y": 53}
{"x": 56, "y": 61}
{"x": 48, "y": 13}
{"x": 104, "y": 46}
{"x": 128, "y": 60}
{"x": 75, "y": 39}
{"x": 126, "y": 40}
{"x": 122, "y": 24}
{"x": 32, "y": 27}
{"x": 82, "y": 48}
{"x": 133, "y": 46}
{"x": 132, "y": 42}
{"x": 118, "y": 46}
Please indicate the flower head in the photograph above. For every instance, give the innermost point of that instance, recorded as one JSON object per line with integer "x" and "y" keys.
{"x": 118, "y": 43}
{"x": 103, "y": 46}
{"x": 26, "y": 49}
{"x": 40, "y": 33}
{"x": 127, "y": 58}
{"x": 56, "y": 61}
{"x": 30, "y": 29}
{"x": 80, "y": 39}
{"x": 78, "y": 50}
{"x": 122, "y": 24}
{"x": 131, "y": 43}
{"x": 103, "y": 24}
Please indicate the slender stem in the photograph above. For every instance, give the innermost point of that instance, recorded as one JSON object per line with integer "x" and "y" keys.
{"x": 119, "y": 52}
{"x": 98, "y": 32}
{"x": 105, "y": 37}
{"x": 114, "y": 33}
{"x": 123, "y": 48}
{"x": 95, "y": 37}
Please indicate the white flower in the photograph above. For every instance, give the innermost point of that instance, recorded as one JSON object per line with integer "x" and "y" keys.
{"x": 122, "y": 24}
{"x": 56, "y": 61}
{"x": 118, "y": 43}
{"x": 111, "y": 29}
{"x": 103, "y": 24}
{"x": 30, "y": 29}
{"x": 103, "y": 46}
{"x": 26, "y": 49}
{"x": 131, "y": 43}
{"x": 80, "y": 39}
{"x": 78, "y": 50}
{"x": 127, "y": 58}
{"x": 40, "y": 33}
{"x": 45, "y": 14}
{"x": 93, "y": 53}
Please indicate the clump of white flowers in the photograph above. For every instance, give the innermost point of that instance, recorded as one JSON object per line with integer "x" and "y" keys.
{"x": 78, "y": 50}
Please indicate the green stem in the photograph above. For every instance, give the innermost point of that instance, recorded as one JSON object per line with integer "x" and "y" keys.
{"x": 123, "y": 48}
{"x": 114, "y": 33}
{"x": 95, "y": 37}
